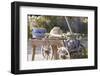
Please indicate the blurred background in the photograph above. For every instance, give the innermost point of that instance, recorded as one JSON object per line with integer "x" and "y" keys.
{"x": 77, "y": 24}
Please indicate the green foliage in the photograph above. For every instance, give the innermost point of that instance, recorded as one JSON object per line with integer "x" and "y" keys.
{"x": 49, "y": 22}
{"x": 40, "y": 22}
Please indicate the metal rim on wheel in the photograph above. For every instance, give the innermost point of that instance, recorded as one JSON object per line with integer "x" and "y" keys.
{"x": 45, "y": 55}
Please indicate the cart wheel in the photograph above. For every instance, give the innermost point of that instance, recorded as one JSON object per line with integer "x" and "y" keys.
{"x": 47, "y": 52}
{"x": 63, "y": 53}
{"x": 80, "y": 52}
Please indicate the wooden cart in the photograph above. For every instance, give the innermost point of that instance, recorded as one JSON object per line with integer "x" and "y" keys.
{"x": 55, "y": 43}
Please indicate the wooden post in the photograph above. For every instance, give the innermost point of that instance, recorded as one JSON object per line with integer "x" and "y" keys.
{"x": 54, "y": 48}
{"x": 33, "y": 52}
